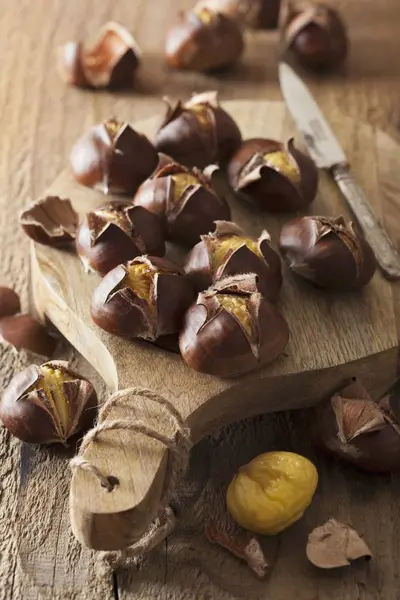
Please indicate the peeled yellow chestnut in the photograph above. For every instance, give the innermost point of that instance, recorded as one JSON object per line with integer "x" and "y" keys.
{"x": 229, "y": 251}
{"x": 314, "y": 34}
{"x": 144, "y": 298}
{"x": 359, "y": 431}
{"x": 203, "y": 40}
{"x": 328, "y": 252}
{"x": 9, "y": 302}
{"x": 117, "y": 232}
{"x": 259, "y": 14}
{"x": 185, "y": 200}
{"x": 199, "y": 132}
{"x": 232, "y": 329}
{"x": 113, "y": 157}
{"x": 273, "y": 176}
{"x": 48, "y": 404}
{"x": 51, "y": 221}
{"x": 23, "y": 332}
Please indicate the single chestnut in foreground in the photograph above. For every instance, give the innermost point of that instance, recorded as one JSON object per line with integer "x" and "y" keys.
{"x": 113, "y": 157}
{"x": 232, "y": 329}
{"x": 229, "y": 251}
{"x": 359, "y": 431}
{"x": 199, "y": 132}
{"x": 259, "y": 14}
{"x": 9, "y": 302}
{"x": 328, "y": 252}
{"x": 203, "y": 40}
{"x": 144, "y": 298}
{"x": 111, "y": 62}
{"x": 51, "y": 221}
{"x": 117, "y": 232}
{"x": 273, "y": 176}
{"x": 185, "y": 201}
{"x": 23, "y": 332}
{"x": 48, "y": 404}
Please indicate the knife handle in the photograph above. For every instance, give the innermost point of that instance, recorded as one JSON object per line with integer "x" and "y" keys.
{"x": 385, "y": 253}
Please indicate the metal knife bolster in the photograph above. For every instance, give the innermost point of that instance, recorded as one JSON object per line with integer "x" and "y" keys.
{"x": 386, "y": 254}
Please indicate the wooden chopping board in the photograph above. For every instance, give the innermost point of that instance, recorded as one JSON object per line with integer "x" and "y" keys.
{"x": 333, "y": 338}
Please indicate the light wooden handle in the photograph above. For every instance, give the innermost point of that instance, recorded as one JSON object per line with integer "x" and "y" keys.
{"x": 386, "y": 254}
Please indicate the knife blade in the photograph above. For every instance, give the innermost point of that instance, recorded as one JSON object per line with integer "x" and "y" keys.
{"x": 327, "y": 153}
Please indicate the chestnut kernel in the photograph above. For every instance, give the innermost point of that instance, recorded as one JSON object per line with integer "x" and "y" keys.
{"x": 229, "y": 251}
{"x": 199, "y": 132}
{"x": 258, "y": 14}
{"x": 273, "y": 176}
{"x": 144, "y": 298}
{"x": 328, "y": 252}
{"x": 113, "y": 158}
{"x": 232, "y": 329}
{"x": 51, "y": 221}
{"x": 48, "y": 404}
{"x": 23, "y": 332}
{"x": 9, "y": 302}
{"x": 115, "y": 233}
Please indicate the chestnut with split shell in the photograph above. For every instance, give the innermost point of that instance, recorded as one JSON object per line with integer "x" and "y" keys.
{"x": 51, "y": 221}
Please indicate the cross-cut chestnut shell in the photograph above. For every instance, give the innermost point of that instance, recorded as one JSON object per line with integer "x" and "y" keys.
{"x": 51, "y": 221}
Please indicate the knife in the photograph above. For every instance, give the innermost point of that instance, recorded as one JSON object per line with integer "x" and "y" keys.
{"x": 325, "y": 150}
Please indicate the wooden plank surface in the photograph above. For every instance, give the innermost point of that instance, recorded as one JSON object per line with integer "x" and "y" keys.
{"x": 39, "y": 120}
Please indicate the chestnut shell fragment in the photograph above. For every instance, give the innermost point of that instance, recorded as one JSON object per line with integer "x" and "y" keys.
{"x": 51, "y": 221}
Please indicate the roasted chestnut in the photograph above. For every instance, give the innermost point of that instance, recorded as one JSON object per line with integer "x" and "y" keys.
{"x": 144, "y": 298}
{"x": 273, "y": 176}
{"x": 48, "y": 404}
{"x": 229, "y": 251}
{"x": 232, "y": 329}
{"x": 260, "y": 14}
{"x": 111, "y": 63}
{"x": 203, "y": 40}
{"x": 51, "y": 221}
{"x": 117, "y": 232}
{"x": 23, "y": 332}
{"x": 314, "y": 34}
{"x": 185, "y": 200}
{"x": 328, "y": 252}
{"x": 113, "y": 157}
{"x": 199, "y": 132}
{"x": 9, "y": 302}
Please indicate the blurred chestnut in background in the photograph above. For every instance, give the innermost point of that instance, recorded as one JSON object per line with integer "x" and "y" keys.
{"x": 273, "y": 176}
{"x": 23, "y": 332}
{"x": 51, "y": 221}
{"x": 328, "y": 252}
{"x": 9, "y": 302}
{"x": 259, "y": 14}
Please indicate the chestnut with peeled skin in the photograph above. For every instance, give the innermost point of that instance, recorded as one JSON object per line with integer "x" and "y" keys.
{"x": 199, "y": 132}
{"x": 9, "y": 302}
{"x": 229, "y": 251}
{"x": 328, "y": 252}
{"x": 232, "y": 329}
{"x": 259, "y": 14}
{"x": 51, "y": 221}
{"x": 113, "y": 157}
{"x": 23, "y": 332}
{"x": 48, "y": 404}
{"x": 185, "y": 200}
{"x": 117, "y": 232}
{"x": 273, "y": 176}
{"x": 144, "y": 298}
{"x": 203, "y": 41}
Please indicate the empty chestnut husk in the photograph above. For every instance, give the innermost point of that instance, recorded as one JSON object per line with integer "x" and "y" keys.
{"x": 328, "y": 252}
{"x": 232, "y": 329}
{"x": 51, "y": 221}
{"x": 229, "y": 251}
{"x": 258, "y": 14}
{"x": 144, "y": 298}
{"x": 273, "y": 176}
{"x": 113, "y": 158}
{"x": 23, "y": 332}
{"x": 203, "y": 40}
{"x": 48, "y": 404}
{"x": 314, "y": 34}
{"x": 199, "y": 132}
{"x": 185, "y": 200}
{"x": 359, "y": 431}
{"x": 111, "y": 63}
{"x": 9, "y": 302}
{"x": 117, "y": 232}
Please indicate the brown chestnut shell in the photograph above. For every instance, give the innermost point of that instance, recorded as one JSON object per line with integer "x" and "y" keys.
{"x": 51, "y": 221}
{"x": 23, "y": 332}
{"x": 9, "y": 302}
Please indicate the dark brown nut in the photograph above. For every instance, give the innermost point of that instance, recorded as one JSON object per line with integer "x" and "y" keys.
{"x": 259, "y": 14}
{"x": 232, "y": 329}
{"x": 113, "y": 158}
{"x": 204, "y": 41}
{"x": 357, "y": 430}
{"x": 51, "y": 221}
{"x": 115, "y": 233}
{"x": 328, "y": 252}
{"x": 48, "y": 404}
{"x": 9, "y": 302}
{"x": 111, "y": 63}
{"x": 229, "y": 251}
{"x": 314, "y": 34}
{"x": 145, "y": 298}
{"x": 23, "y": 332}
{"x": 185, "y": 200}
{"x": 199, "y": 132}
{"x": 273, "y": 176}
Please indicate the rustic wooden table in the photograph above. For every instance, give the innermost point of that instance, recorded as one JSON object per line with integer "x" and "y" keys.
{"x": 40, "y": 118}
